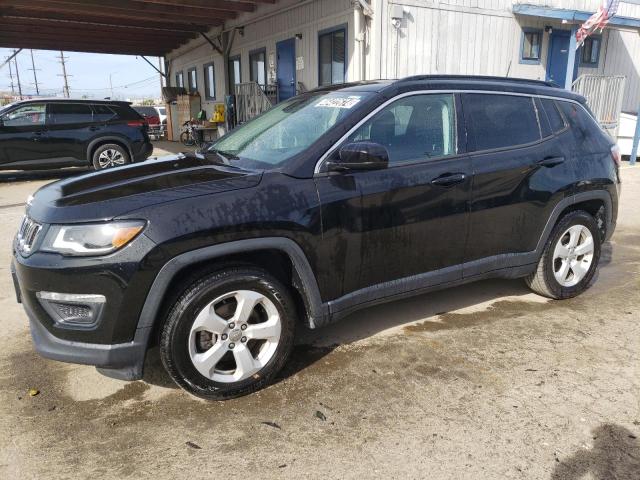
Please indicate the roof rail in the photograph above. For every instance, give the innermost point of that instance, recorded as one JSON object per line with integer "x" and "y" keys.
{"x": 479, "y": 77}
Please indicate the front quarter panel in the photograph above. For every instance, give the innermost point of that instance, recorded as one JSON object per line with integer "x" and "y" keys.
{"x": 279, "y": 206}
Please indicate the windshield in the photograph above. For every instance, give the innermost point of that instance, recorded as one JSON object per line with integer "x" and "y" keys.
{"x": 4, "y": 108}
{"x": 287, "y": 129}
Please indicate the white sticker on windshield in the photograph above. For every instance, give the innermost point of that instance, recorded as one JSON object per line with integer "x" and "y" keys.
{"x": 339, "y": 102}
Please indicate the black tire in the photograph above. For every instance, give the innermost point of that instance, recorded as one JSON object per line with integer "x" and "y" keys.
{"x": 187, "y": 139}
{"x": 174, "y": 336}
{"x": 543, "y": 280}
{"x": 119, "y": 154}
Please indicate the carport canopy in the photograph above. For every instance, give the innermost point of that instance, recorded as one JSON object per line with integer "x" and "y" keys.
{"x": 127, "y": 27}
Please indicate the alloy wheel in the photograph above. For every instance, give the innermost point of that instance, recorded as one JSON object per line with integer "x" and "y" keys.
{"x": 573, "y": 255}
{"x": 234, "y": 336}
{"x": 110, "y": 158}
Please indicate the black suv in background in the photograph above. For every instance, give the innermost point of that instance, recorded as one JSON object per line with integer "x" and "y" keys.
{"x": 332, "y": 201}
{"x": 55, "y": 133}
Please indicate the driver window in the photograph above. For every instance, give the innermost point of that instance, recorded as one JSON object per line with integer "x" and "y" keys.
{"x": 413, "y": 128}
{"x": 25, "y": 116}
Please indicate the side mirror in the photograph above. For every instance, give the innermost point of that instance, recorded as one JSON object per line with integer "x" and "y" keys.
{"x": 360, "y": 156}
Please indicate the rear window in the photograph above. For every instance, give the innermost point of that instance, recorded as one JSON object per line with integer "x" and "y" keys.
{"x": 102, "y": 113}
{"x": 553, "y": 115}
{"x": 498, "y": 121}
{"x": 146, "y": 111}
{"x": 125, "y": 112}
{"x": 583, "y": 125}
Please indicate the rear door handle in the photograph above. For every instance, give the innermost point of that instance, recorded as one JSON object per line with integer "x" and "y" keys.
{"x": 37, "y": 136}
{"x": 448, "y": 179}
{"x": 94, "y": 128}
{"x": 550, "y": 162}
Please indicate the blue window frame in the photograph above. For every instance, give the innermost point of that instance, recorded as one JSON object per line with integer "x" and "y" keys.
{"x": 590, "y": 51}
{"x": 531, "y": 46}
{"x": 180, "y": 79}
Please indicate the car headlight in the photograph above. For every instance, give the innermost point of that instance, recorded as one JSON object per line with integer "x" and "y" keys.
{"x": 90, "y": 239}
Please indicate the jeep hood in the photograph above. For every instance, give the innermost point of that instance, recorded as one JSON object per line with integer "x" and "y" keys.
{"x": 110, "y": 193}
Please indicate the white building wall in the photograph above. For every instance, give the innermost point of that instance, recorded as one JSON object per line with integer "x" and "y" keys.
{"x": 480, "y": 37}
{"x": 263, "y": 29}
{"x": 483, "y": 37}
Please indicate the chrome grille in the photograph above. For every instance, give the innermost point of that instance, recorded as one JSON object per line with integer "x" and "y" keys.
{"x": 27, "y": 234}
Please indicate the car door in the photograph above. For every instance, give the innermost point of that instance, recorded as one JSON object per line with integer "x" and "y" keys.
{"x": 520, "y": 172}
{"x": 407, "y": 221}
{"x": 23, "y": 135}
{"x": 70, "y": 127}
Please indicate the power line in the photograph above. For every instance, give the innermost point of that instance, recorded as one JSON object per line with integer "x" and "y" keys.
{"x": 35, "y": 77}
{"x": 64, "y": 74}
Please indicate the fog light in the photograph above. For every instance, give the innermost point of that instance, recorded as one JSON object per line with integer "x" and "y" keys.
{"x": 79, "y": 310}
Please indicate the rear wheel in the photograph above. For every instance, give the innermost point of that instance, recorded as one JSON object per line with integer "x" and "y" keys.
{"x": 187, "y": 139}
{"x": 229, "y": 333}
{"x": 570, "y": 258}
{"x": 110, "y": 155}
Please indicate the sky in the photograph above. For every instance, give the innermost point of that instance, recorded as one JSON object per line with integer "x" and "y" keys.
{"x": 131, "y": 77}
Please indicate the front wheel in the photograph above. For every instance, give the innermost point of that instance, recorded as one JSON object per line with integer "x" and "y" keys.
{"x": 229, "y": 333}
{"x": 570, "y": 258}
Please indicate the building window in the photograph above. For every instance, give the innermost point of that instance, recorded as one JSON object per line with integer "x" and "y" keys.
{"x": 531, "y": 46}
{"x": 209, "y": 81}
{"x": 235, "y": 73}
{"x": 192, "y": 77}
{"x": 258, "y": 66}
{"x": 590, "y": 55}
{"x": 180, "y": 79}
{"x": 332, "y": 51}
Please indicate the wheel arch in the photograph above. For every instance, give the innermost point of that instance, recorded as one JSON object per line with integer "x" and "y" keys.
{"x": 98, "y": 142}
{"x": 590, "y": 201}
{"x": 252, "y": 251}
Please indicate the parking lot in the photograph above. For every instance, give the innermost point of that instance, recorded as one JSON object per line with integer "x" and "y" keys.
{"x": 484, "y": 381}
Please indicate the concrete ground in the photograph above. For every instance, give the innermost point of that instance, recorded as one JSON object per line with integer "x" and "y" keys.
{"x": 484, "y": 381}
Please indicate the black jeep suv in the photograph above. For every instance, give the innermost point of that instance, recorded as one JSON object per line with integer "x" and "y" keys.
{"x": 66, "y": 133}
{"x": 332, "y": 201}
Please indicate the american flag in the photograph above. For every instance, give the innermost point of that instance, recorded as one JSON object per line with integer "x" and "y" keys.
{"x": 598, "y": 20}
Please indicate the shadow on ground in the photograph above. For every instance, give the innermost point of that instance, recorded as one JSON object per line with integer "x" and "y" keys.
{"x": 615, "y": 455}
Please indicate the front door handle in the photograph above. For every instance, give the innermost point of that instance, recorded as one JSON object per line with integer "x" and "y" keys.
{"x": 94, "y": 128}
{"x": 550, "y": 162}
{"x": 449, "y": 179}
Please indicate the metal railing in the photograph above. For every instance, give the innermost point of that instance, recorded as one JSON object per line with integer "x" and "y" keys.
{"x": 604, "y": 95}
{"x": 253, "y": 99}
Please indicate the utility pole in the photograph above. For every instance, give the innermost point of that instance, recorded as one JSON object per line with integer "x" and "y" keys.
{"x": 35, "y": 77}
{"x": 64, "y": 74}
{"x": 13, "y": 88}
{"x": 15, "y": 59}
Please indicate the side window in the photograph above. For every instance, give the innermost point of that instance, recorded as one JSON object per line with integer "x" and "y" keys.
{"x": 192, "y": 77}
{"x": 29, "y": 115}
{"x": 102, "y": 113}
{"x": 210, "y": 81}
{"x": 553, "y": 115}
{"x": 180, "y": 79}
{"x": 415, "y": 127}
{"x": 583, "y": 125}
{"x": 68, "y": 113}
{"x": 498, "y": 121}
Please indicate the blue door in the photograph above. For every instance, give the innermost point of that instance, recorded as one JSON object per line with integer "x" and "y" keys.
{"x": 559, "y": 45}
{"x": 286, "y": 68}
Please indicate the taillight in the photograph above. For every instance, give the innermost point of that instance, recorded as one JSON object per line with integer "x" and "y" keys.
{"x": 616, "y": 156}
{"x": 136, "y": 123}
